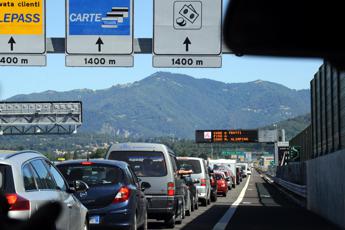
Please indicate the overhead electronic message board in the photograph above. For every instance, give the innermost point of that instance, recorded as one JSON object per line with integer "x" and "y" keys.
{"x": 226, "y": 136}
{"x": 187, "y": 33}
{"x": 99, "y": 33}
{"x": 22, "y": 33}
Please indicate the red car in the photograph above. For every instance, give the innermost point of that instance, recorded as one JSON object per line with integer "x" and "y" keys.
{"x": 222, "y": 184}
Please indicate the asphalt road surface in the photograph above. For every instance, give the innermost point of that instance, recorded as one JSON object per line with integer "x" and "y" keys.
{"x": 263, "y": 208}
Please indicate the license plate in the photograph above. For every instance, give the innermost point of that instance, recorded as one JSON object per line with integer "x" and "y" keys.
{"x": 94, "y": 220}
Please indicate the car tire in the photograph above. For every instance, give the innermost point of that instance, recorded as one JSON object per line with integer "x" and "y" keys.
{"x": 204, "y": 202}
{"x": 144, "y": 226}
{"x": 213, "y": 197}
{"x": 224, "y": 195}
{"x": 170, "y": 222}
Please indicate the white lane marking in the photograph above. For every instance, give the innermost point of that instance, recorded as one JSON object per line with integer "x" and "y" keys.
{"x": 223, "y": 222}
{"x": 246, "y": 202}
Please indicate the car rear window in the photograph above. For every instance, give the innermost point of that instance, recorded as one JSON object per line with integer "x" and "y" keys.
{"x": 218, "y": 177}
{"x": 6, "y": 179}
{"x": 93, "y": 175}
{"x": 193, "y": 165}
{"x": 143, "y": 163}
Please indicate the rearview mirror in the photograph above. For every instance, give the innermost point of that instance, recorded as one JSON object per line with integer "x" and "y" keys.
{"x": 291, "y": 28}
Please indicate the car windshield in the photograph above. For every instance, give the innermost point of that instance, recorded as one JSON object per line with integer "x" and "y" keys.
{"x": 93, "y": 175}
{"x": 143, "y": 163}
{"x": 193, "y": 165}
{"x": 219, "y": 177}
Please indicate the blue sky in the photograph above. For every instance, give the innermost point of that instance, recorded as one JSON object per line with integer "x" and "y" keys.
{"x": 294, "y": 73}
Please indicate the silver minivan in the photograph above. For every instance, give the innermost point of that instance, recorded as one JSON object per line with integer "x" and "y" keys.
{"x": 156, "y": 165}
{"x": 200, "y": 173}
{"x": 29, "y": 180}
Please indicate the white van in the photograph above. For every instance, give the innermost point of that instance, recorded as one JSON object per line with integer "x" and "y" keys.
{"x": 156, "y": 165}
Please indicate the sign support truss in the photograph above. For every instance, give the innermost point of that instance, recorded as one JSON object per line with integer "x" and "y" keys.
{"x": 40, "y": 118}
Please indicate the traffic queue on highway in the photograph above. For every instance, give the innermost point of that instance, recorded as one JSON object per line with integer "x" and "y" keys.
{"x": 134, "y": 182}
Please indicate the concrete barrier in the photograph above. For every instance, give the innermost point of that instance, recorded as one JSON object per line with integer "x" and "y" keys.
{"x": 294, "y": 172}
{"x": 326, "y": 187}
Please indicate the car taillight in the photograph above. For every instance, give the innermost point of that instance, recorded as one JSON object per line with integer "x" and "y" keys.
{"x": 86, "y": 163}
{"x": 171, "y": 189}
{"x": 203, "y": 182}
{"x": 17, "y": 203}
{"x": 122, "y": 195}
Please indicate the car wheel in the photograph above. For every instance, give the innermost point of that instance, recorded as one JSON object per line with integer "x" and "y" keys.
{"x": 204, "y": 202}
{"x": 224, "y": 194}
{"x": 214, "y": 197}
{"x": 170, "y": 222}
{"x": 209, "y": 200}
{"x": 144, "y": 226}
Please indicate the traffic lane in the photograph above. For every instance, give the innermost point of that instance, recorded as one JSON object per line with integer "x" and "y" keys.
{"x": 267, "y": 208}
{"x": 204, "y": 217}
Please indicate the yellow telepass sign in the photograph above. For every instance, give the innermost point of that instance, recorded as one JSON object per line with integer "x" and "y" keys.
{"x": 22, "y": 17}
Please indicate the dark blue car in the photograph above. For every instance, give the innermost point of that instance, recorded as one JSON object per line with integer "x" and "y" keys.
{"x": 115, "y": 197}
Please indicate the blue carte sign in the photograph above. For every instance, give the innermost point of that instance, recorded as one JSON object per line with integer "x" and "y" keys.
{"x": 100, "y": 17}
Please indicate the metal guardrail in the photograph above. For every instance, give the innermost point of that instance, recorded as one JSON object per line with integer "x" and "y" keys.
{"x": 300, "y": 190}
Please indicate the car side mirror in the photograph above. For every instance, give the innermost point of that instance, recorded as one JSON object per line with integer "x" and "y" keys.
{"x": 144, "y": 186}
{"x": 80, "y": 186}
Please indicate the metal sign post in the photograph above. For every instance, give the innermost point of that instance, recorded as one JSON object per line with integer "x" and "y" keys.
{"x": 187, "y": 33}
{"x": 99, "y": 33}
{"x": 22, "y": 33}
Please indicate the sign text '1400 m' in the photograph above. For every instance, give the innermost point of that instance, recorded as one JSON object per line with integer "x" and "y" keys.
{"x": 186, "y": 62}
{"x": 99, "y": 61}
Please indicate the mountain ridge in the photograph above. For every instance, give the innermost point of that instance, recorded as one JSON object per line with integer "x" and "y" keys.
{"x": 168, "y": 104}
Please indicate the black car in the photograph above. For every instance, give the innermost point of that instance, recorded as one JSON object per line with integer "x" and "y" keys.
{"x": 115, "y": 198}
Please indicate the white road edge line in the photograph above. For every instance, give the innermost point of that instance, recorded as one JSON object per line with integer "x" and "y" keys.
{"x": 223, "y": 222}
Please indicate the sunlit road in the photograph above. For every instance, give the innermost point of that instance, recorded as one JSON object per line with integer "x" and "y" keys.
{"x": 205, "y": 217}
{"x": 263, "y": 207}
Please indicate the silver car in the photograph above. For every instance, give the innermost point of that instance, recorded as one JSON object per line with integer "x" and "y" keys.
{"x": 29, "y": 180}
{"x": 200, "y": 173}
